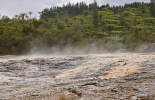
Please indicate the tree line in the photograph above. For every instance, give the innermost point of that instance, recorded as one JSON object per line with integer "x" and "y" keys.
{"x": 79, "y": 24}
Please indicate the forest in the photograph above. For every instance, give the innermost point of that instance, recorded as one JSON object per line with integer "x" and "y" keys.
{"x": 80, "y": 24}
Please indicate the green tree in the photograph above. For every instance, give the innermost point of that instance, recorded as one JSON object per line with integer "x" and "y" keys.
{"x": 22, "y": 15}
{"x": 95, "y": 14}
{"x": 152, "y": 8}
{"x": 16, "y": 16}
{"x": 30, "y": 13}
{"x": 61, "y": 25}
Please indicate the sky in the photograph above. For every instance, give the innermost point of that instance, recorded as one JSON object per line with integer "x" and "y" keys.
{"x": 14, "y": 7}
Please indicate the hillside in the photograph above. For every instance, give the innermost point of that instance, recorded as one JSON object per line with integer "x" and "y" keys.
{"x": 78, "y": 26}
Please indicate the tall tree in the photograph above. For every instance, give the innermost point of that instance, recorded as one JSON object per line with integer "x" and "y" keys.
{"x": 17, "y": 16}
{"x": 30, "y": 13}
{"x": 23, "y": 15}
{"x": 40, "y": 13}
{"x": 152, "y": 8}
{"x": 27, "y": 17}
{"x": 95, "y": 14}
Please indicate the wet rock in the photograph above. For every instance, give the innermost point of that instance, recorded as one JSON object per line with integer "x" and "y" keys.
{"x": 134, "y": 98}
{"x": 75, "y": 91}
{"x": 85, "y": 77}
{"x": 114, "y": 90}
{"x": 66, "y": 96}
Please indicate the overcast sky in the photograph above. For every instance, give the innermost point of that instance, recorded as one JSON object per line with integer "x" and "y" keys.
{"x": 14, "y": 7}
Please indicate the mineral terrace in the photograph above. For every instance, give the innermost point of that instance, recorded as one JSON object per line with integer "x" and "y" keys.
{"x": 115, "y": 76}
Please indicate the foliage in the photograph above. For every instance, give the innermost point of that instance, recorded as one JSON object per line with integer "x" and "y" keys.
{"x": 79, "y": 24}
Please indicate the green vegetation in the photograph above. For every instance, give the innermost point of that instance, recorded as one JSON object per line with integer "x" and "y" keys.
{"x": 78, "y": 25}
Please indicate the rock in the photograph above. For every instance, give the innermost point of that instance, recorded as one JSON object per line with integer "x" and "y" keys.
{"x": 75, "y": 91}
{"x": 134, "y": 98}
{"x": 66, "y": 96}
{"x": 114, "y": 90}
{"x": 78, "y": 79}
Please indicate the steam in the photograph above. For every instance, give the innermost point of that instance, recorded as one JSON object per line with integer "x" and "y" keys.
{"x": 111, "y": 46}
{"x": 91, "y": 48}
{"x": 149, "y": 48}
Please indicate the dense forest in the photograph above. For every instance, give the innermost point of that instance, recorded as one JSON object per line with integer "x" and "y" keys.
{"x": 79, "y": 24}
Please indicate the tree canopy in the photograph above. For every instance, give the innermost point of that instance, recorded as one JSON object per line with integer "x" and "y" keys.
{"x": 79, "y": 24}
